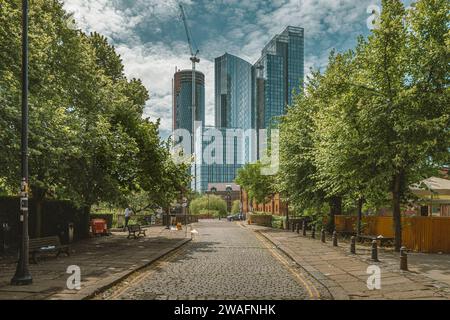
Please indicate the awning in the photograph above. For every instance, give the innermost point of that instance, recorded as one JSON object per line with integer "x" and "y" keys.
{"x": 431, "y": 187}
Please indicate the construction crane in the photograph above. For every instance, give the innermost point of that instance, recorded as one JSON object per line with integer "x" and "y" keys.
{"x": 194, "y": 59}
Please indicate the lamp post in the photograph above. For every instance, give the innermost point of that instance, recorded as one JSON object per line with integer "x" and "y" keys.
{"x": 23, "y": 275}
{"x": 213, "y": 190}
{"x": 229, "y": 189}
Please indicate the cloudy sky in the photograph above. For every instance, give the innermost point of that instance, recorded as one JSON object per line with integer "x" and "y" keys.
{"x": 150, "y": 37}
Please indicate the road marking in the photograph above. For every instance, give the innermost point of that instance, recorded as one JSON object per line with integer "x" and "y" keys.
{"x": 312, "y": 290}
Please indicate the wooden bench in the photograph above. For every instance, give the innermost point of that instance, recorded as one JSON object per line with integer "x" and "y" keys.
{"x": 47, "y": 245}
{"x": 382, "y": 240}
{"x": 135, "y": 229}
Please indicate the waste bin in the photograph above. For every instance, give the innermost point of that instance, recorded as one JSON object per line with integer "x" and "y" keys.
{"x": 99, "y": 227}
{"x": 70, "y": 232}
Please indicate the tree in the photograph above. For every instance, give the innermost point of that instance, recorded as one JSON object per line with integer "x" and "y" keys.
{"x": 88, "y": 141}
{"x": 257, "y": 185}
{"x": 407, "y": 113}
{"x": 208, "y": 203}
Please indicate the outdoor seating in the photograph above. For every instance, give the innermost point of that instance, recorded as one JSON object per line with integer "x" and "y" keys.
{"x": 47, "y": 245}
{"x": 135, "y": 231}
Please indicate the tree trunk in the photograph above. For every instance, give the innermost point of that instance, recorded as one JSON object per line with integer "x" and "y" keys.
{"x": 335, "y": 209}
{"x": 360, "y": 205}
{"x": 86, "y": 221}
{"x": 396, "y": 197}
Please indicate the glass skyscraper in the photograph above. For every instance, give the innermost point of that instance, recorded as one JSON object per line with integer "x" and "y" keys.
{"x": 182, "y": 99}
{"x": 182, "y": 105}
{"x": 279, "y": 75}
{"x": 247, "y": 97}
{"x": 233, "y": 93}
{"x": 220, "y": 155}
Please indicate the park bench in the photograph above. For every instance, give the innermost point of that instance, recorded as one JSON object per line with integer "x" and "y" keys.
{"x": 383, "y": 240}
{"x": 135, "y": 229}
{"x": 47, "y": 245}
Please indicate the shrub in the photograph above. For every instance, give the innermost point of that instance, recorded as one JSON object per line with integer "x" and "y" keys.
{"x": 214, "y": 203}
{"x": 236, "y": 207}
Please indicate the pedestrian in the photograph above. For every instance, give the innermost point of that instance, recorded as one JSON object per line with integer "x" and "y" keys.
{"x": 128, "y": 213}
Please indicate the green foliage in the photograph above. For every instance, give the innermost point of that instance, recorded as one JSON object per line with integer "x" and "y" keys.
{"x": 257, "y": 185}
{"x": 236, "y": 208}
{"x": 208, "y": 202}
{"x": 376, "y": 121}
{"x": 88, "y": 139}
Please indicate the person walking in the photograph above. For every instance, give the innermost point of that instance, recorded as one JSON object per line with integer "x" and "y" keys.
{"x": 128, "y": 213}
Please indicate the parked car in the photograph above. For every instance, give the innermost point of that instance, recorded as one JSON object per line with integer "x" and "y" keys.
{"x": 235, "y": 217}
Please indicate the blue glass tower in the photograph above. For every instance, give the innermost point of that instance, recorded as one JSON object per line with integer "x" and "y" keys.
{"x": 234, "y": 118}
{"x": 279, "y": 74}
{"x": 182, "y": 99}
{"x": 233, "y": 93}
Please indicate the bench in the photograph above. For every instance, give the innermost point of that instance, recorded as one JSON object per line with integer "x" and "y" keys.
{"x": 135, "y": 229}
{"x": 47, "y": 245}
{"x": 382, "y": 240}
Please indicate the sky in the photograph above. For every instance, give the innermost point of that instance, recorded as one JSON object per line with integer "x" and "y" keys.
{"x": 150, "y": 37}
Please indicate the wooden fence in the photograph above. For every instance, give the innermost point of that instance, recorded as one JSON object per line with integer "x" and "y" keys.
{"x": 422, "y": 234}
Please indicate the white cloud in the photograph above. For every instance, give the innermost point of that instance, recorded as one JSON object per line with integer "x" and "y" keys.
{"x": 248, "y": 26}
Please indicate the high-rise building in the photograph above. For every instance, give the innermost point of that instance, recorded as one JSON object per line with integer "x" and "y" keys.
{"x": 247, "y": 97}
{"x": 233, "y": 93}
{"x": 182, "y": 99}
{"x": 279, "y": 75}
{"x": 220, "y": 155}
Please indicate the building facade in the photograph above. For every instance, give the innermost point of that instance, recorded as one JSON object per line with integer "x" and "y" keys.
{"x": 182, "y": 99}
{"x": 219, "y": 157}
{"x": 278, "y": 75}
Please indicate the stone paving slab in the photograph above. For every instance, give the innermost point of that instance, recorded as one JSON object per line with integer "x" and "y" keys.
{"x": 345, "y": 274}
{"x": 103, "y": 261}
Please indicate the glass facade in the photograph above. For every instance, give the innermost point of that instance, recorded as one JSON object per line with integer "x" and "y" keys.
{"x": 182, "y": 99}
{"x": 220, "y": 157}
{"x": 279, "y": 73}
{"x": 233, "y": 93}
{"x": 247, "y": 97}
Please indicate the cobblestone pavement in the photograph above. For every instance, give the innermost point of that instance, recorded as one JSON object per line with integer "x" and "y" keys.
{"x": 102, "y": 261}
{"x": 346, "y": 275}
{"x": 224, "y": 261}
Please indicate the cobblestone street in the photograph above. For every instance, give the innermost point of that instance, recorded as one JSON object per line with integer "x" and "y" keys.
{"x": 224, "y": 261}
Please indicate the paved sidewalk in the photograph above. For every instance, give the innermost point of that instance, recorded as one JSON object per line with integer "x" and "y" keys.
{"x": 345, "y": 275}
{"x": 103, "y": 262}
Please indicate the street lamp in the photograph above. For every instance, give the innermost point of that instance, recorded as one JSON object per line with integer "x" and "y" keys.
{"x": 229, "y": 189}
{"x": 213, "y": 190}
{"x": 23, "y": 275}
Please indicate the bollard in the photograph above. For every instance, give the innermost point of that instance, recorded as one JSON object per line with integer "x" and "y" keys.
{"x": 403, "y": 259}
{"x": 298, "y": 228}
{"x": 335, "y": 239}
{"x": 313, "y": 231}
{"x": 293, "y": 227}
{"x": 353, "y": 245}
{"x": 304, "y": 228}
{"x": 323, "y": 235}
{"x": 374, "y": 250}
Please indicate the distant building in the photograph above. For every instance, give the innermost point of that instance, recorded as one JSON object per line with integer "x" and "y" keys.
{"x": 182, "y": 104}
{"x": 247, "y": 97}
{"x": 182, "y": 99}
{"x": 221, "y": 157}
{"x": 233, "y": 93}
{"x": 279, "y": 73}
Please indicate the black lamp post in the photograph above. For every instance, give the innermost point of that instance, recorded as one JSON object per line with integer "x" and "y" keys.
{"x": 229, "y": 190}
{"x": 23, "y": 275}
